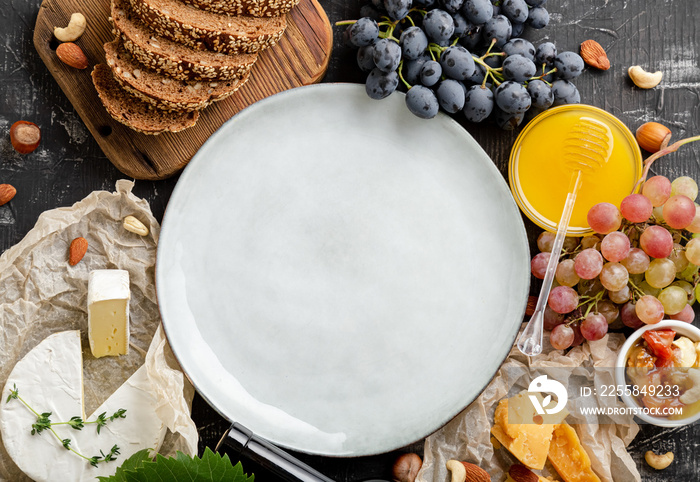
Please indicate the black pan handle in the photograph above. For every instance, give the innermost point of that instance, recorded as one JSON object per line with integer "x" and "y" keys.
{"x": 269, "y": 456}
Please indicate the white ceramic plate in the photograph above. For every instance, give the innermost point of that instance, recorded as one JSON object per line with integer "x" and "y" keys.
{"x": 339, "y": 276}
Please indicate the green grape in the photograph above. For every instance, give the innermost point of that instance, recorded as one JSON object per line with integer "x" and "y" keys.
{"x": 686, "y": 186}
{"x": 614, "y": 276}
{"x": 674, "y": 299}
{"x": 692, "y": 251}
{"x": 690, "y": 291}
{"x": 661, "y": 273}
{"x": 678, "y": 257}
{"x": 647, "y": 289}
{"x": 688, "y": 274}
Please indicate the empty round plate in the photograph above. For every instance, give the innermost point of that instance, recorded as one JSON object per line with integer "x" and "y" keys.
{"x": 338, "y": 275}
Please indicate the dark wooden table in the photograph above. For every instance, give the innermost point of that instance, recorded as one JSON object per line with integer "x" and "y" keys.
{"x": 657, "y": 34}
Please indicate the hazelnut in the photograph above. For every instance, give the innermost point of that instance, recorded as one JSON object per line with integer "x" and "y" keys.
{"x": 25, "y": 136}
{"x": 406, "y": 467}
{"x": 652, "y": 136}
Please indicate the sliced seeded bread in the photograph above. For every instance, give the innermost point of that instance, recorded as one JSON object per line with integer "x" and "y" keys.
{"x": 171, "y": 58}
{"x": 254, "y": 8}
{"x": 206, "y": 30}
{"x": 160, "y": 90}
{"x": 134, "y": 113}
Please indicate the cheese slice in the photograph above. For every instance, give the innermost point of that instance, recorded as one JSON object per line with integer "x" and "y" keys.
{"x": 568, "y": 456}
{"x": 108, "y": 312}
{"x": 49, "y": 378}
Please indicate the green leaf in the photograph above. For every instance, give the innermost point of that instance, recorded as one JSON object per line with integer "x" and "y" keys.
{"x": 212, "y": 467}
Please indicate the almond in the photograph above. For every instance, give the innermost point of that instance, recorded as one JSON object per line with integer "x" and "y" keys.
{"x": 520, "y": 473}
{"x": 7, "y": 192}
{"x": 594, "y": 55}
{"x": 71, "y": 55}
{"x": 466, "y": 472}
{"x": 78, "y": 248}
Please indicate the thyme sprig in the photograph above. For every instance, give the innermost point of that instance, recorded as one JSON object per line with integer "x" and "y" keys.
{"x": 43, "y": 422}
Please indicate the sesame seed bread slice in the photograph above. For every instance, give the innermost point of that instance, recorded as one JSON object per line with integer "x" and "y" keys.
{"x": 171, "y": 58}
{"x": 159, "y": 89}
{"x": 133, "y": 113}
{"x": 254, "y": 8}
{"x": 209, "y": 31}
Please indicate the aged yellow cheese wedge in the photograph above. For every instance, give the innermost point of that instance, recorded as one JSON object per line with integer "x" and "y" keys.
{"x": 527, "y": 440}
{"x": 568, "y": 457}
{"x": 541, "y": 479}
{"x": 108, "y": 312}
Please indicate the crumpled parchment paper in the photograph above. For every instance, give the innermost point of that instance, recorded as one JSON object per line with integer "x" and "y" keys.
{"x": 468, "y": 438}
{"x": 41, "y": 294}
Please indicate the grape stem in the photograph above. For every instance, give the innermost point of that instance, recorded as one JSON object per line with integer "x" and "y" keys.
{"x": 666, "y": 150}
{"x": 408, "y": 86}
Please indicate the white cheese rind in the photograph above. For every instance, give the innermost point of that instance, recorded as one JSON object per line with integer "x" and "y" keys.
{"x": 49, "y": 378}
{"x": 108, "y": 319}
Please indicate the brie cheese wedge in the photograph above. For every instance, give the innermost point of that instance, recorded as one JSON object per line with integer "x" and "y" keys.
{"x": 50, "y": 379}
{"x": 108, "y": 312}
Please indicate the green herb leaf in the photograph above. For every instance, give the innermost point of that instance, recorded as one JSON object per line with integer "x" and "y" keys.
{"x": 76, "y": 422}
{"x": 14, "y": 393}
{"x": 212, "y": 467}
{"x": 66, "y": 443}
{"x": 42, "y": 423}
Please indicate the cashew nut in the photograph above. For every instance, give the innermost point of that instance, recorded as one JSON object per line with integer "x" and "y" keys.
{"x": 459, "y": 472}
{"x": 692, "y": 395}
{"x": 73, "y": 31}
{"x": 658, "y": 462}
{"x": 644, "y": 79}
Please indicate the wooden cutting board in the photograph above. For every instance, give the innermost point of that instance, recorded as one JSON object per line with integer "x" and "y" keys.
{"x": 300, "y": 58}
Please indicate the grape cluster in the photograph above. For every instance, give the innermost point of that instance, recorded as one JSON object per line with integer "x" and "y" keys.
{"x": 463, "y": 55}
{"x": 640, "y": 266}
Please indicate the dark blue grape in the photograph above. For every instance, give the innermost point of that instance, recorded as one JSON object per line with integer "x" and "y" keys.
{"x": 496, "y": 9}
{"x": 411, "y": 69}
{"x": 479, "y": 74}
{"x": 517, "y": 29}
{"x": 494, "y": 61}
{"x": 519, "y": 46}
{"x": 430, "y": 73}
{"x": 518, "y": 68}
{"x": 515, "y": 10}
{"x": 387, "y": 55}
{"x": 457, "y": 63}
{"x": 363, "y": 32}
{"x": 450, "y": 95}
{"x": 565, "y": 92}
{"x": 413, "y": 42}
{"x": 451, "y": 6}
{"x": 512, "y": 97}
{"x": 426, "y": 4}
{"x": 438, "y": 25}
{"x": 478, "y": 103}
{"x": 538, "y": 17}
{"x": 365, "y": 58}
{"x": 397, "y": 9}
{"x": 535, "y": 3}
{"x": 498, "y": 28}
{"x": 422, "y": 102}
{"x": 507, "y": 121}
{"x": 471, "y": 39}
{"x": 478, "y": 11}
{"x": 545, "y": 53}
{"x": 540, "y": 93}
{"x": 381, "y": 84}
{"x": 569, "y": 65}
{"x": 462, "y": 25}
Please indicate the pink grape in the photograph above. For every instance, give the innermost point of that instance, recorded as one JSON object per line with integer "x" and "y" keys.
{"x": 694, "y": 226}
{"x": 679, "y": 211}
{"x": 588, "y": 263}
{"x": 636, "y": 262}
{"x": 656, "y": 241}
{"x": 657, "y": 189}
{"x": 614, "y": 276}
{"x": 636, "y": 208}
{"x": 552, "y": 318}
{"x": 563, "y": 299}
{"x": 589, "y": 287}
{"x": 620, "y": 296}
{"x": 608, "y": 310}
{"x": 545, "y": 241}
{"x": 685, "y": 185}
{"x": 649, "y": 310}
{"x": 692, "y": 251}
{"x": 561, "y": 337}
{"x": 678, "y": 257}
{"x": 687, "y": 314}
{"x": 538, "y": 265}
{"x": 615, "y": 246}
{"x": 604, "y": 218}
{"x": 594, "y": 326}
{"x": 578, "y": 336}
{"x": 590, "y": 242}
{"x": 628, "y": 313}
{"x": 566, "y": 274}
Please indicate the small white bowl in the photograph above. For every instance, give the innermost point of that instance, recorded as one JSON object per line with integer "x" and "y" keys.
{"x": 681, "y": 328}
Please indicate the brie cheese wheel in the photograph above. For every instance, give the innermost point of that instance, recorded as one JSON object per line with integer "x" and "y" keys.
{"x": 108, "y": 312}
{"x": 50, "y": 379}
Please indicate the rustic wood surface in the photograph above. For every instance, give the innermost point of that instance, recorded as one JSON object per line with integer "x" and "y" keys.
{"x": 300, "y": 58}
{"x": 657, "y": 34}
